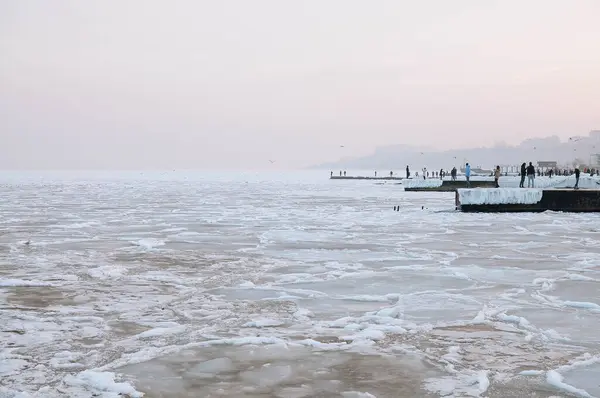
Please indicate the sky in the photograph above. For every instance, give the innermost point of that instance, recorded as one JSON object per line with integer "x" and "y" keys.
{"x": 233, "y": 84}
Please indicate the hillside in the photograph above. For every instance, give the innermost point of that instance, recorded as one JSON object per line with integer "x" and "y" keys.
{"x": 580, "y": 149}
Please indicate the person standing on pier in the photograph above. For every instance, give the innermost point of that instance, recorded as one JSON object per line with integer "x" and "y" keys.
{"x": 497, "y": 174}
{"x": 530, "y": 176}
{"x": 344, "y": 173}
{"x": 407, "y": 172}
{"x": 523, "y": 173}
{"x": 577, "y": 172}
{"x": 468, "y": 174}
{"x": 332, "y": 174}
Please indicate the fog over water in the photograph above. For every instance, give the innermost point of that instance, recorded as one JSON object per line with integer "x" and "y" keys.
{"x": 234, "y": 84}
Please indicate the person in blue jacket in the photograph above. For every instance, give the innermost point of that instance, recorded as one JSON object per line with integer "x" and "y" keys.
{"x": 468, "y": 174}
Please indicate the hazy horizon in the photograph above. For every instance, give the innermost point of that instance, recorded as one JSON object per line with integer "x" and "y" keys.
{"x": 233, "y": 84}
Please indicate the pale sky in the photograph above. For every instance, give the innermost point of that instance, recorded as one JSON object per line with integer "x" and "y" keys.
{"x": 234, "y": 83}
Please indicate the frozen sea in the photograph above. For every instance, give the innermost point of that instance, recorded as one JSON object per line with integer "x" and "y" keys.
{"x": 188, "y": 284}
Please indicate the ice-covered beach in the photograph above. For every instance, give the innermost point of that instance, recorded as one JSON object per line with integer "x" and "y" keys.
{"x": 181, "y": 284}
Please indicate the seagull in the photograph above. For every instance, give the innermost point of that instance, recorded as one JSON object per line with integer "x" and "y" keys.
{"x": 341, "y": 146}
{"x": 272, "y": 161}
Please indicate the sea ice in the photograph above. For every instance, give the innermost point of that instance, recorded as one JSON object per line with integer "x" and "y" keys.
{"x": 555, "y": 379}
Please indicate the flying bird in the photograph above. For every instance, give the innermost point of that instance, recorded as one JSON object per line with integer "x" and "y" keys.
{"x": 272, "y": 161}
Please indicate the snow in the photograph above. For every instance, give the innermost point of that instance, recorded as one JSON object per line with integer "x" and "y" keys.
{"x": 481, "y": 196}
{"x": 421, "y": 183}
{"x": 102, "y": 382}
{"x": 585, "y": 182}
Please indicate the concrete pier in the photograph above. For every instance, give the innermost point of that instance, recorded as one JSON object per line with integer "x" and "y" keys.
{"x": 565, "y": 200}
{"x": 451, "y": 186}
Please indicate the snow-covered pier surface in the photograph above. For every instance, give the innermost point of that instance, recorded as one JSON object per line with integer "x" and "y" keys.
{"x": 365, "y": 178}
{"x": 528, "y": 200}
{"x": 499, "y": 196}
{"x": 446, "y": 185}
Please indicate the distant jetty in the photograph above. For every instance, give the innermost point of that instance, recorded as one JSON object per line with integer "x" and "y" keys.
{"x": 448, "y": 186}
{"x": 514, "y": 200}
{"x": 365, "y": 178}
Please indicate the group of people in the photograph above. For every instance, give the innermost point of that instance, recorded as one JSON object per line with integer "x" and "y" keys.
{"x": 529, "y": 172}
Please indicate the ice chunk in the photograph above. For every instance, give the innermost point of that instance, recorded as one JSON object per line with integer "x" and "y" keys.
{"x": 583, "y": 305}
{"x": 498, "y": 196}
{"x": 11, "y": 366}
{"x": 21, "y": 283}
{"x": 555, "y": 379}
{"x": 150, "y": 243}
{"x": 158, "y": 332}
{"x": 579, "y": 277}
{"x": 531, "y": 373}
{"x": 263, "y": 323}
{"x": 356, "y": 394}
{"x": 101, "y": 381}
{"x": 483, "y": 381}
{"x": 367, "y": 334}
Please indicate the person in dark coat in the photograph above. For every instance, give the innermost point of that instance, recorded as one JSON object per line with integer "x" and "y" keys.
{"x": 523, "y": 174}
{"x": 530, "y": 176}
{"x": 577, "y": 172}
